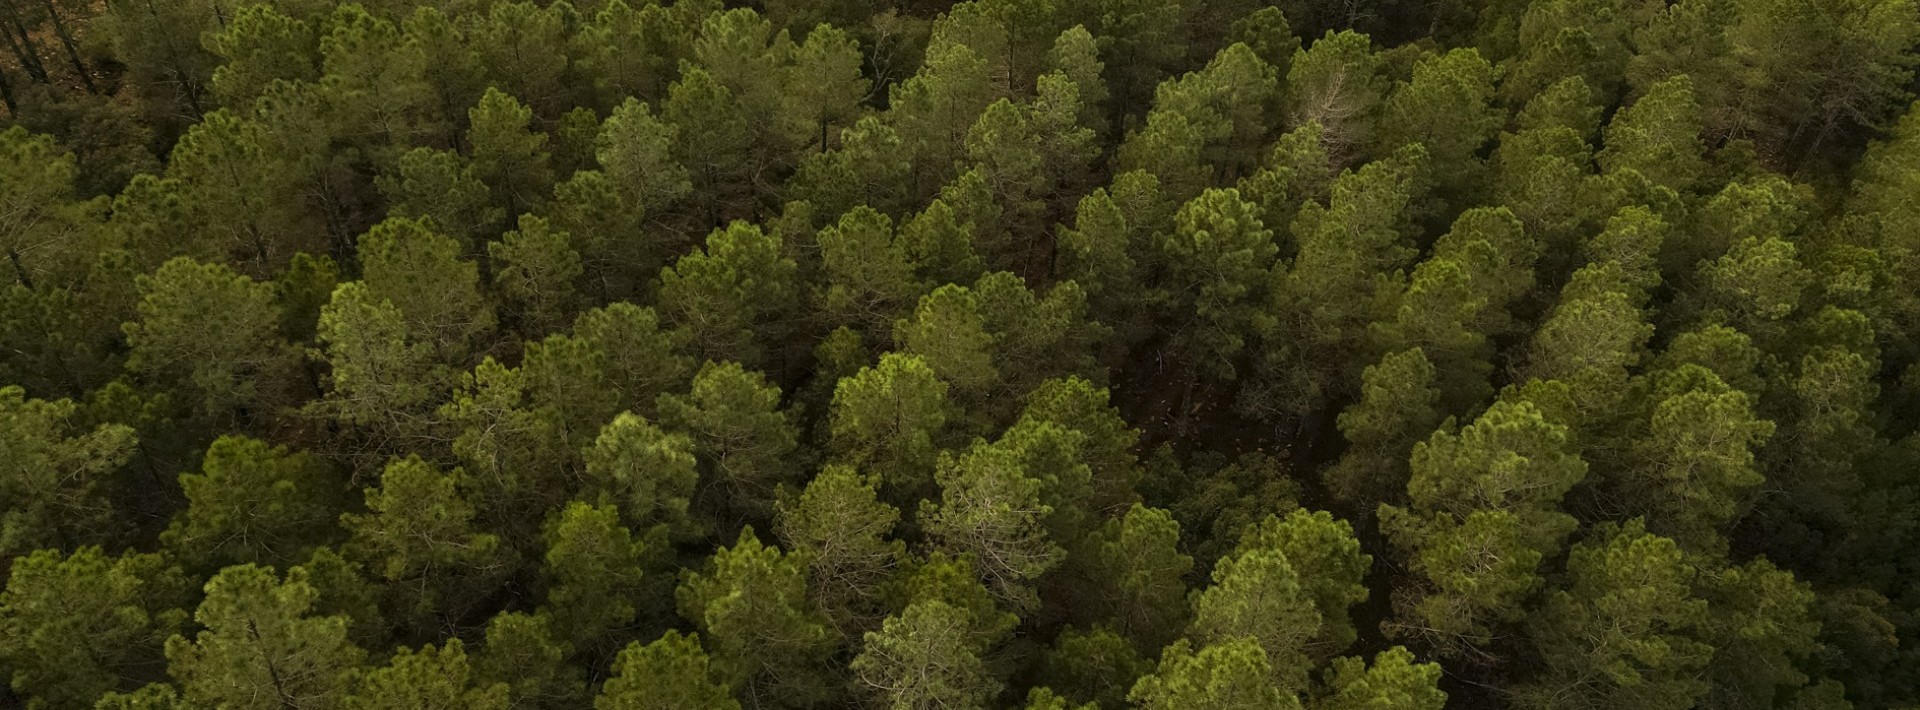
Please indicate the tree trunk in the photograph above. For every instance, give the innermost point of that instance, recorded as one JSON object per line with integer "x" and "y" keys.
{"x": 188, "y": 88}
{"x": 21, "y": 44}
{"x": 273, "y": 670}
{"x": 192, "y": 93}
{"x": 6, "y": 94}
{"x": 73, "y": 50}
{"x": 19, "y": 270}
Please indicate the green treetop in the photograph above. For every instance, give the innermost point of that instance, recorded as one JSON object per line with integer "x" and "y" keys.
{"x": 671, "y": 672}
{"x": 259, "y": 647}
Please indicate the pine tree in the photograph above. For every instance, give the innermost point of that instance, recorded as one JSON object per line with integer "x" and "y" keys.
{"x": 1325, "y": 555}
{"x": 940, "y": 246}
{"x": 1075, "y": 56}
{"x": 991, "y": 506}
{"x": 260, "y": 648}
{"x": 1659, "y": 136}
{"x": 1398, "y": 405}
{"x": 344, "y": 590}
{"x": 566, "y": 385}
{"x": 212, "y": 336}
{"x": 55, "y": 477}
{"x": 920, "y": 658}
{"x": 727, "y": 299}
{"x": 842, "y": 527}
{"x": 1266, "y": 30}
{"x": 1393, "y": 682}
{"x": 1623, "y": 634}
{"x": 421, "y": 272}
{"x": 869, "y": 167}
{"x": 255, "y": 503}
{"x": 1098, "y": 666}
{"x": 824, "y": 85}
{"x": 521, "y": 651}
{"x": 1755, "y": 286}
{"x": 168, "y": 67}
{"x": 1216, "y": 266}
{"x": 1698, "y": 459}
{"x": 379, "y": 376}
{"x": 377, "y": 80}
{"x": 1143, "y": 41}
{"x": 1045, "y": 699}
{"x": 1233, "y": 675}
{"x": 1345, "y": 247}
{"x": 1542, "y": 172}
{"x": 641, "y": 361}
{"x": 948, "y": 333}
{"x": 432, "y": 677}
{"x": 744, "y": 55}
{"x": 442, "y": 186}
{"x": 652, "y": 475}
{"x": 419, "y": 535}
{"x": 236, "y": 189}
{"x": 1107, "y": 441}
{"x": 1448, "y": 108}
{"x": 868, "y": 275}
{"x": 766, "y": 638}
{"x": 508, "y": 155}
{"x": 593, "y": 568}
{"x": 933, "y": 109}
{"x": 1458, "y": 301}
{"x": 536, "y": 268}
{"x": 453, "y": 68}
{"x": 889, "y": 419}
{"x": 1581, "y": 39}
{"x": 522, "y": 49}
{"x": 953, "y": 580}
{"x": 49, "y": 222}
{"x": 606, "y": 43}
{"x": 1136, "y": 565}
{"x": 1335, "y": 82}
{"x": 1256, "y": 595}
{"x": 671, "y": 672}
{"x": 617, "y": 255}
{"x": 1589, "y": 342}
{"x": 1761, "y": 625}
{"x": 517, "y": 452}
{"x": 743, "y": 440}
{"x": 1484, "y": 514}
{"x": 1099, "y": 254}
{"x": 1037, "y": 336}
{"x": 635, "y": 150}
{"x": 716, "y": 143}
{"x": 1206, "y": 121}
{"x": 258, "y": 46}
{"x": 76, "y": 626}
{"x": 576, "y": 140}
{"x": 1295, "y": 172}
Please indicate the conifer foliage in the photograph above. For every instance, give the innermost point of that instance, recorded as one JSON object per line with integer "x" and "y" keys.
{"x": 933, "y": 355}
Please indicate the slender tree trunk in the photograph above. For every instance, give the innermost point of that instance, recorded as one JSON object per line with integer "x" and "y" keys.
{"x": 273, "y": 671}
{"x": 192, "y": 93}
{"x": 6, "y": 94}
{"x": 21, "y": 44}
{"x": 188, "y": 88}
{"x": 333, "y": 210}
{"x": 73, "y": 50}
{"x": 19, "y": 270}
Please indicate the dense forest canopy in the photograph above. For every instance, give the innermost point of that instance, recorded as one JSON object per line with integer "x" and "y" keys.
{"x": 1042, "y": 354}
